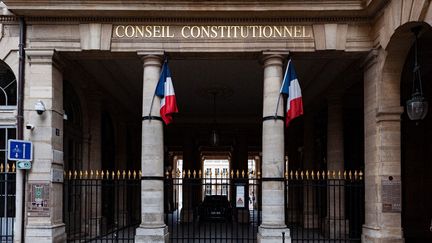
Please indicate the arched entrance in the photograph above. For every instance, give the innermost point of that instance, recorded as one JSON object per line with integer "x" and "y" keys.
{"x": 416, "y": 144}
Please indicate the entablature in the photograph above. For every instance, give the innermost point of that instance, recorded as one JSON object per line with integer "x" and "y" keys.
{"x": 190, "y": 8}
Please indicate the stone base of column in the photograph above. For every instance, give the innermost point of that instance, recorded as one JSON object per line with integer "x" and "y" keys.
{"x": 273, "y": 235}
{"x": 42, "y": 234}
{"x": 186, "y": 215}
{"x": 377, "y": 235}
{"x": 150, "y": 235}
{"x": 336, "y": 228}
{"x": 310, "y": 221}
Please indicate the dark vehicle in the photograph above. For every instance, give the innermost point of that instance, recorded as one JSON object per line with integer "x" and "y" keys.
{"x": 215, "y": 207}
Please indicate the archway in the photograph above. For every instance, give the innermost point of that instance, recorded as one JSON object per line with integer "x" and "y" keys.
{"x": 416, "y": 144}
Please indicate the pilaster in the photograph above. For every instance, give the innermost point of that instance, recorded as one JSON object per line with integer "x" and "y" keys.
{"x": 382, "y": 150}
{"x": 44, "y": 204}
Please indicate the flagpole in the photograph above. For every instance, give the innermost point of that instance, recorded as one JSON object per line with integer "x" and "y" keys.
{"x": 280, "y": 90}
{"x": 277, "y": 106}
{"x": 154, "y": 93}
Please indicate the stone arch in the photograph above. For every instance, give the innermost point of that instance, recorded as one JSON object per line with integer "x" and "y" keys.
{"x": 8, "y": 86}
{"x": 394, "y": 60}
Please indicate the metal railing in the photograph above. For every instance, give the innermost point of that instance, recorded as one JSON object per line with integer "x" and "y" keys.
{"x": 101, "y": 206}
{"x": 233, "y": 215}
{"x": 105, "y": 206}
{"x": 324, "y": 206}
{"x": 7, "y": 201}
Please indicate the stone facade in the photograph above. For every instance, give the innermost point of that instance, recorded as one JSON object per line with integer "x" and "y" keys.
{"x": 379, "y": 28}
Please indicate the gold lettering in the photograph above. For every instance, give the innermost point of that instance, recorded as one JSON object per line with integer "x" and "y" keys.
{"x": 254, "y": 28}
{"x": 148, "y": 31}
{"x": 244, "y": 35}
{"x": 288, "y": 30}
{"x": 117, "y": 31}
{"x": 168, "y": 32}
{"x": 197, "y": 31}
{"x": 183, "y": 31}
{"x": 297, "y": 31}
{"x": 130, "y": 31}
{"x": 269, "y": 32}
{"x": 235, "y": 30}
{"x": 157, "y": 31}
{"x": 278, "y": 30}
{"x": 214, "y": 32}
{"x": 205, "y": 31}
{"x": 140, "y": 30}
{"x": 222, "y": 30}
{"x": 304, "y": 32}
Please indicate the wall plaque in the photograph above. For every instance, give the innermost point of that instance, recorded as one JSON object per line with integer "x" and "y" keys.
{"x": 391, "y": 194}
{"x": 38, "y": 204}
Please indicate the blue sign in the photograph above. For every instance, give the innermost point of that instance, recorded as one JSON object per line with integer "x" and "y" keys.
{"x": 20, "y": 150}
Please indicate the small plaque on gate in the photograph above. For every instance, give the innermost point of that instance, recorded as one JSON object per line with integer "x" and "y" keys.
{"x": 391, "y": 194}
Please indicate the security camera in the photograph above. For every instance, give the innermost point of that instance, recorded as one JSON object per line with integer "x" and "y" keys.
{"x": 40, "y": 107}
{"x": 30, "y": 126}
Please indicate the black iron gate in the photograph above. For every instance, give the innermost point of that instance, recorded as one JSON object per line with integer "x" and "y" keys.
{"x": 7, "y": 201}
{"x": 83, "y": 205}
{"x": 320, "y": 206}
{"x": 324, "y": 206}
{"x": 205, "y": 208}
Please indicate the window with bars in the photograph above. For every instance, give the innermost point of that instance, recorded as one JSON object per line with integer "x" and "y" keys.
{"x": 7, "y": 175}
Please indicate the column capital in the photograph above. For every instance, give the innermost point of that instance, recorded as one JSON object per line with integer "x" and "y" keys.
{"x": 151, "y": 58}
{"x": 45, "y": 56}
{"x": 273, "y": 57}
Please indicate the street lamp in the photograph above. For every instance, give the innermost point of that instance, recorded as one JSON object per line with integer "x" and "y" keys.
{"x": 417, "y": 106}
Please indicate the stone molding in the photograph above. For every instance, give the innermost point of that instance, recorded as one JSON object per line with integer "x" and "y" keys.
{"x": 195, "y": 8}
{"x": 44, "y": 56}
{"x": 389, "y": 113}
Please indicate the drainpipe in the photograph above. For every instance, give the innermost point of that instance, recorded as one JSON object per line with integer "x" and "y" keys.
{"x": 20, "y": 174}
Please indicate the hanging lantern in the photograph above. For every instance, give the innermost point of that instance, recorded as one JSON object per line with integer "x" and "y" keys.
{"x": 417, "y": 106}
{"x": 214, "y": 138}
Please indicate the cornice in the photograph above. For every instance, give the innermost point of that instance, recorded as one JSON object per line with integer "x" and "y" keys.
{"x": 173, "y": 20}
{"x": 199, "y": 9}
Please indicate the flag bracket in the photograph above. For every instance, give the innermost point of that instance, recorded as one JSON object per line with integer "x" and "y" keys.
{"x": 152, "y": 118}
{"x": 266, "y": 118}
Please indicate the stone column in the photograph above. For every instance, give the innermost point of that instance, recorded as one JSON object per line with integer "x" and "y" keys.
{"x": 273, "y": 208}
{"x": 152, "y": 228}
{"x": 382, "y": 148}
{"x": 310, "y": 216}
{"x": 336, "y": 225}
{"x": 44, "y": 204}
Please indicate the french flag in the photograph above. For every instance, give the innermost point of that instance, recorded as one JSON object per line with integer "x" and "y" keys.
{"x": 165, "y": 90}
{"x": 291, "y": 87}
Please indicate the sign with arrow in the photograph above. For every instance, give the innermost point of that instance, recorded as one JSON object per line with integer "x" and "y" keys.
{"x": 20, "y": 150}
